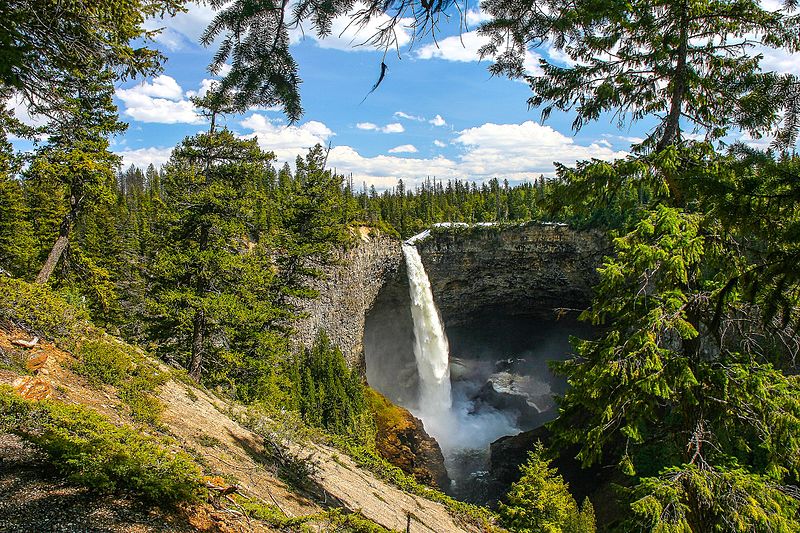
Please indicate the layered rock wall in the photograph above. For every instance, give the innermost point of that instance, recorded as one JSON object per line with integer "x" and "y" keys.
{"x": 535, "y": 270}
{"x": 532, "y": 270}
{"x": 348, "y": 291}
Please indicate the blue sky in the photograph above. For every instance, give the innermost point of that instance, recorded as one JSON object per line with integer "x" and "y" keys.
{"x": 437, "y": 113}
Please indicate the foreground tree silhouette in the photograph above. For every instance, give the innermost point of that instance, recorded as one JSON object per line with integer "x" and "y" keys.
{"x": 45, "y": 42}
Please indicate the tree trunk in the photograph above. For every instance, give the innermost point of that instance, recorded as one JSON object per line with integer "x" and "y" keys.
{"x": 672, "y": 124}
{"x": 61, "y": 243}
{"x": 198, "y": 340}
{"x": 199, "y": 327}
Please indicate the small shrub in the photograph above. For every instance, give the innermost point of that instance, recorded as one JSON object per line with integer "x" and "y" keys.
{"x": 145, "y": 408}
{"x": 109, "y": 362}
{"x": 335, "y": 519}
{"x": 208, "y": 441}
{"x": 91, "y": 451}
{"x": 35, "y": 308}
{"x": 102, "y": 361}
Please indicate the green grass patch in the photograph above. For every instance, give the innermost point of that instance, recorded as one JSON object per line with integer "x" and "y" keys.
{"x": 334, "y": 519}
{"x": 91, "y": 451}
{"x": 102, "y": 361}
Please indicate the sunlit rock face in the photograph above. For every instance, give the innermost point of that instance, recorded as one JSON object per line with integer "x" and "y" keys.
{"x": 402, "y": 440}
{"x": 347, "y": 291}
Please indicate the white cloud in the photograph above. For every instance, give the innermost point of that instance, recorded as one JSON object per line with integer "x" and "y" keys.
{"x": 162, "y": 86}
{"x": 439, "y": 143}
{"x": 184, "y": 29}
{"x": 225, "y": 69}
{"x": 438, "y": 121}
{"x": 400, "y": 114}
{"x": 781, "y": 61}
{"x": 760, "y": 144}
{"x": 394, "y": 127}
{"x": 21, "y": 111}
{"x": 383, "y": 171}
{"x": 520, "y": 151}
{"x": 348, "y": 36}
{"x": 205, "y": 86}
{"x": 286, "y": 141}
{"x": 404, "y": 149}
{"x": 476, "y": 16}
{"x": 513, "y": 151}
{"x": 142, "y": 157}
{"x": 160, "y": 101}
{"x": 465, "y": 48}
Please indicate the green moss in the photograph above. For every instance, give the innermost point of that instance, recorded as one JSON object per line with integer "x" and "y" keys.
{"x": 91, "y": 451}
{"x": 330, "y": 520}
{"x": 385, "y": 413}
{"x": 107, "y": 361}
{"x": 208, "y": 441}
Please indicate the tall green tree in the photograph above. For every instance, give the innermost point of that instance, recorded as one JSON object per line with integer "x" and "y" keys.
{"x": 311, "y": 223}
{"x": 77, "y": 155}
{"x": 691, "y": 65}
{"x": 208, "y": 274}
{"x": 16, "y": 233}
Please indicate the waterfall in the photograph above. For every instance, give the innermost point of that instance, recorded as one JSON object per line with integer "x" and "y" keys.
{"x": 430, "y": 348}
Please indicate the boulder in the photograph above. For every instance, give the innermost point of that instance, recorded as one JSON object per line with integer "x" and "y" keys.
{"x": 528, "y": 397}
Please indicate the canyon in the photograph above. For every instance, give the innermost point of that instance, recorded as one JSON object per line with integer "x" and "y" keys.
{"x": 508, "y": 297}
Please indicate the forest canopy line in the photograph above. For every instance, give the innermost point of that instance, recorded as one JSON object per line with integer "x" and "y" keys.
{"x": 690, "y": 395}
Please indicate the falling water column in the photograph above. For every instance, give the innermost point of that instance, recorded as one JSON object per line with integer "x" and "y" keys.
{"x": 430, "y": 348}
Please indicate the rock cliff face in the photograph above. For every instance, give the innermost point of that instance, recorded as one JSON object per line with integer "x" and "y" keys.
{"x": 530, "y": 270}
{"x": 402, "y": 441}
{"x": 348, "y": 291}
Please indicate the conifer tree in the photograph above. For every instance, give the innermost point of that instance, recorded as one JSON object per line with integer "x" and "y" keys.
{"x": 16, "y": 232}
{"x": 540, "y": 501}
{"x": 45, "y": 44}
{"x": 76, "y": 156}
{"x": 209, "y": 278}
{"x": 690, "y": 64}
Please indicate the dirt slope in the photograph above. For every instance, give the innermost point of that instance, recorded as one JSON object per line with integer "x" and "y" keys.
{"x": 204, "y": 425}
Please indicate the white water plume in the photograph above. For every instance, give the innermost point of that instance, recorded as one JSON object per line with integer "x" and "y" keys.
{"x": 451, "y": 423}
{"x": 430, "y": 344}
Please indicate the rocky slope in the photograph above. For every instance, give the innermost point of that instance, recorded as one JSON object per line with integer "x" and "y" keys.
{"x": 211, "y": 429}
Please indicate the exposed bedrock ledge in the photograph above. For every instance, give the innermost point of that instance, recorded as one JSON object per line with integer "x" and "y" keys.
{"x": 348, "y": 291}
{"x": 530, "y": 270}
